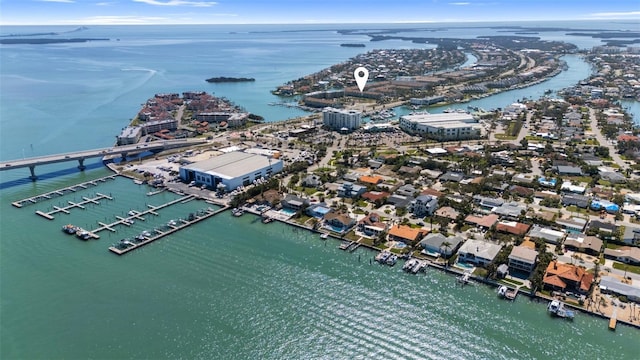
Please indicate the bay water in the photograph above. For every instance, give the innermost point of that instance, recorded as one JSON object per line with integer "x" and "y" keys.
{"x": 228, "y": 287}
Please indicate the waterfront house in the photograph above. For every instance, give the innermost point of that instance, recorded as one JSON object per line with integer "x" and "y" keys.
{"x": 338, "y": 222}
{"x": 612, "y": 285}
{"x": 523, "y": 259}
{"x": 567, "y": 277}
{"x": 294, "y": 202}
{"x": 485, "y": 222}
{"x": 548, "y": 235}
{"x": 434, "y": 243}
{"x": 318, "y": 210}
{"x": 478, "y": 252}
{"x": 372, "y": 225}
{"x": 424, "y": 205}
{"x": 591, "y": 245}
{"x": 625, "y": 254}
{"x": 270, "y": 197}
{"x": 406, "y": 234}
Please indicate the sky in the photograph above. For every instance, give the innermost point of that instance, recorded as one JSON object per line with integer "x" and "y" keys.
{"x": 106, "y": 12}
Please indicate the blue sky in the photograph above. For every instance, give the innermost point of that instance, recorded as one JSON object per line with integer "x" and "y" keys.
{"x": 93, "y": 12}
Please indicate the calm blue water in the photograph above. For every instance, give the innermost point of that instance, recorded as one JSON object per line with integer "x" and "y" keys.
{"x": 228, "y": 287}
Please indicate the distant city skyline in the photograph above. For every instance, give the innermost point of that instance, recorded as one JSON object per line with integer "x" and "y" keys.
{"x": 164, "y": 12}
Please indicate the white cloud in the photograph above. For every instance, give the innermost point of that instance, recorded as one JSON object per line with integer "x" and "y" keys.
{"x": 59, "y": 1}
{"x": 460, "y": 3}
{"x": 616, "y": 14}
{"x": 178, "y": 3}
{"x": 105, "y": 3}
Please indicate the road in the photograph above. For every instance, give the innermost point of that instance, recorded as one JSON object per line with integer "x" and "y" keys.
{"x": 613, "y": 153}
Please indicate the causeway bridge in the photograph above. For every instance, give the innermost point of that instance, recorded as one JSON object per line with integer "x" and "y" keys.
{"x": 80, "y": 156}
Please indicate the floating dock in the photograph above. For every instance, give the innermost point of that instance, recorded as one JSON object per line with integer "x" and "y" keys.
{"x": 85, "y": 200}
{"x": 139, "y": 215}
{"x": 61, "y": 192}
{"x": 172, "y": 229}
{"x": 613, "y": 321}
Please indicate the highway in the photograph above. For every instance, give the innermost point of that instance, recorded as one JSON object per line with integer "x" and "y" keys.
{"x": 80, "y": 156}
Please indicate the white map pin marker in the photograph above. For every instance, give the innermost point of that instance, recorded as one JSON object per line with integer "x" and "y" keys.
{"x": 361, "y": 74}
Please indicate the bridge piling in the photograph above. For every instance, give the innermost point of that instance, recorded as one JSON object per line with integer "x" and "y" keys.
{"x": 81, "y": 164}
{"x": 33, "y": 176}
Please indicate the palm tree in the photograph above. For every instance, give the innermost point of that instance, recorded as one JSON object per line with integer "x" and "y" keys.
{"x": 447, "y": 246}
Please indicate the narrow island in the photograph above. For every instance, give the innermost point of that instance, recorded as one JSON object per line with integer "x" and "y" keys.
{"x": 224, "y": 79}
{"x": 352, "y": 45}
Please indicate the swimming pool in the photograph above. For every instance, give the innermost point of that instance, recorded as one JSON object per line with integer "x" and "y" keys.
{"x": 464, "y": 265}
{"x": 400, "y": 245}
{"x": 289, "y": 212}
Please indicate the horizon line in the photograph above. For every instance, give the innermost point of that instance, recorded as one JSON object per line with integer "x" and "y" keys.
{"x": 396, "y": 22}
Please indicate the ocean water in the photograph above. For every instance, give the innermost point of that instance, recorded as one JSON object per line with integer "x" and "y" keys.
{"x": 228, "y": 287}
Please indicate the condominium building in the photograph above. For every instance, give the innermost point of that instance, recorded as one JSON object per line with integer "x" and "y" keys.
{"x": 447, "y": 126}
{"x": 341, "y": 120}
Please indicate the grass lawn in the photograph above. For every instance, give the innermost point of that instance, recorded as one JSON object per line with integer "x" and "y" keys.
{"x": 512, "y": 282}
{"x": 505, "y": 137}
{"x": 630, "y": 268}
{"x": 302, "y": 219}
{"x": 367, "y": 241}
{"x": 310, "y": 191}
{"x": 613, "y": 246}
{"x": 351, "y": 235}
{"x": 480, "y": 272}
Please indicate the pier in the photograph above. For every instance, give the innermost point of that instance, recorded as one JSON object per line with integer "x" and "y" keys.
{"x": 160, "y": 234}
{"x": 61, "y": 192}
{"x": 139, "y": 215}
{"x": 85, "y": 200}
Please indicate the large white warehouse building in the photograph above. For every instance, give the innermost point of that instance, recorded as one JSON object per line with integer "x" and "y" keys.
{"x": 447, "y": 126}
{"x": 231, "y": 169}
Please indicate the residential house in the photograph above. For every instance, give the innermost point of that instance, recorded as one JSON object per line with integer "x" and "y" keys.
{"x": 573, "y": 224}
{"x": 521, "y": 191}
{"x": 311, "y": 181}
{"x": 631, "y": 235}
{"x": 452, "y": 176}
{"x": 625, "y": 254}
{"x": 612, "y": 285}
{"x": 351, "y": 190}
{"x": 400, "y": 201}
{"x": 374, "y": 196}
{"x": 372, "y": 225}
{"x": 487, "y": 203}
{"x": 318, "y": 210}
{"x": 580, "y": 201}
{"x": 370, "y": 180}
{"x": 568, "y": 187}
{"x": 613, "y": 177}
{"x": 511, "y": 210}
{"x": 406, "y": 234}
{"x": 447, "y": 212}
{"x": 406, "y": 190}
{"x": 270, "y": 197}
{"x": 425, "y": 205}
{"x": 523, "y": 258}
{"x": 512, "y": 227}
{"x": 591, "y": 245}
{"x": 602, "y": 227}
{"x": 338, "y": 222}
{"x": 433, "y": 243}
{"x": 568, "y": 170}
{"x": 548, "y": 235}
{"x": 567, "y": 277}
{"x": 294, "y": 202}
{"x": 485, "y": 222}
{"x": 478, "y": 252}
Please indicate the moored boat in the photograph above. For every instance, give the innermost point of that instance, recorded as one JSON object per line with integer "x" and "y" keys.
{"x": 502, "y": 291}
{"x": 70, "y": 229}
{"x": 558, "y": 308}
{"x": 391, "y": 260}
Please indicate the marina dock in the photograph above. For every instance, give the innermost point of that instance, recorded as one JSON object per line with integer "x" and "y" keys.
{"x": 139, "y": 215}
{"x": 65, "y": 209}
{"x": 172, "y": 229}
{"x": 60, "y": 192}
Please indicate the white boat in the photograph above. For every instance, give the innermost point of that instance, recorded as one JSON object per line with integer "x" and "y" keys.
{"x": 502, "y": 291}
{"x": 324, "y": 236}
{"x": 409, "y": 264}
{"x": 382, "y": 256}
{"x": 392, "y": 259}
{"x": 132, "y": 213}
{"x": 464, "y": 278}
{"x": 558, "y": 308}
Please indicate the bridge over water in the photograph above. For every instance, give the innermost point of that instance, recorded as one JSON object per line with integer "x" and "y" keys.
{"x": 80, "y": 156}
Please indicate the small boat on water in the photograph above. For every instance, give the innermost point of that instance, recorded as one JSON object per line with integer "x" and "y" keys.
{"x": 70, "y": 229}
{"x": 237, "y": 212}
{"x": 324, "y": 236}
{"x": 392, "y": 260}
{"x": 267, "y": 219}
{"x": 409, "y": 264}
{"x": 465, "y": 278}
{"x": 83, "y": 234}
{"x": 383, "y": 256}
{"x": 558, "y": 308}
{"x": 132, "y": 213}
{"x": 502, "y": 291}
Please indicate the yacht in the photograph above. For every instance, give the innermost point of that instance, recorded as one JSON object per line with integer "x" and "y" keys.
{"x": 83, "y": 234}
{"x": 558, "y": 308}
{"x": 382, "y": 256}
{"x": 70, "y": 229}
{"x": 392, "y": 259}
{"x": 502, "y": 291}
{"x": 324, "y": 236}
